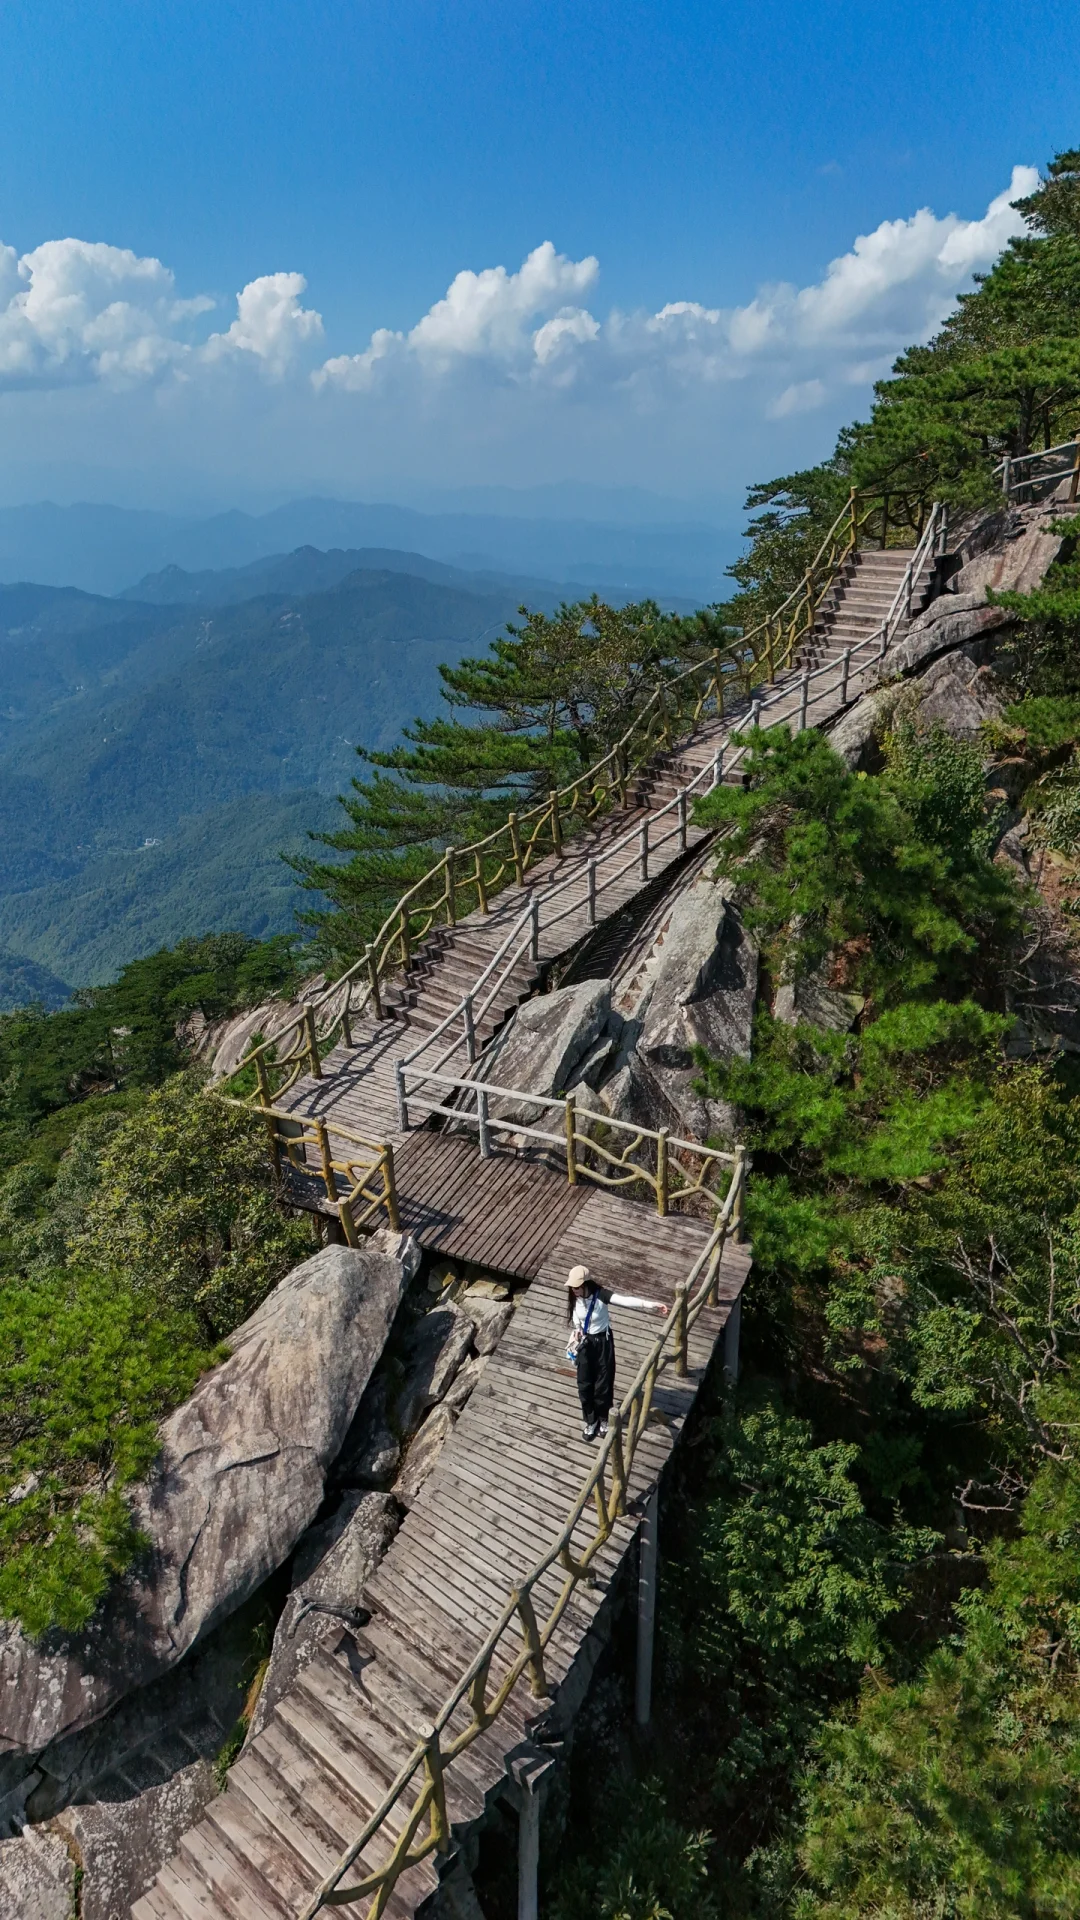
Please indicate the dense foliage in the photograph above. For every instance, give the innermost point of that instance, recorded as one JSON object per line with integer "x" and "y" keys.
{"x": 871, "y": 1590}
{"x": 138, "y": 1225}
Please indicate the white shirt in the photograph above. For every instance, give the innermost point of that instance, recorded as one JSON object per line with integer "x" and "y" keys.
{"x": 600, "y": 1319}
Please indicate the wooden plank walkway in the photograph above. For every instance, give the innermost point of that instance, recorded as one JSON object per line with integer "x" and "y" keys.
{"x": 511, "y": 1469}
{"x": 358, "y": 1087}
{"x": 500, "y": 1492}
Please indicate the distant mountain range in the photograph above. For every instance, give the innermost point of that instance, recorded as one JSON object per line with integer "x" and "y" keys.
{"x": 103, "y": 548}
{"x": 160, "y": 748}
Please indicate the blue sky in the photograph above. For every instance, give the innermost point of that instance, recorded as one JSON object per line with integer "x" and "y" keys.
{"x": 700, "y": 155}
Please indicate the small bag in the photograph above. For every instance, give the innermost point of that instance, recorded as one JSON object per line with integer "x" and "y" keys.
{"x": 573, "y": 1345}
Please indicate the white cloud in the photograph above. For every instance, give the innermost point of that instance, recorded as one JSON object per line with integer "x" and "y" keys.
{"x": 506, "y": 363}
{"x": 81, "y": 310}
{"x": 801, "y": 397}
{"x": 270, "y": 323}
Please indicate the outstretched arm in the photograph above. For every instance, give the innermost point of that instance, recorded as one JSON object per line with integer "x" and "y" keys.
{"x": 638, "y": 1306}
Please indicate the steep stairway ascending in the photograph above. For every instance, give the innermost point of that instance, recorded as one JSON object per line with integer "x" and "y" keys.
{"x": 859, "y": 600}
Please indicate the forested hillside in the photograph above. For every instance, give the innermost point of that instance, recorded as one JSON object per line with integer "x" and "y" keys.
{"x": 156, "y": 760}
{"x": 868, "y": 1702}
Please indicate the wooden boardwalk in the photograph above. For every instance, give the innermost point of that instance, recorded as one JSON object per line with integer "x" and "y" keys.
{"x": 504, "y": 1483}
{"x": 513, "y": 1466}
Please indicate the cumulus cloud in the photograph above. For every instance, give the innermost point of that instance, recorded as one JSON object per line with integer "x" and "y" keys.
{"x": 507, "y": 356}
{"x": 270, "y": 323}
{"x": 894, "y": 285}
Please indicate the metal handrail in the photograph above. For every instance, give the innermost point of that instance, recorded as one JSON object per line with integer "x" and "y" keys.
{"x": 524, "y": 934}
{"x": 1007, "y": 468}
{"x": 430, "y": 1759}
{"x": 758, "y": 647}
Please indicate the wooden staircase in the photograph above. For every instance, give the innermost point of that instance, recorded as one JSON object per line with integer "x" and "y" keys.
{"x": 859, "y": 600}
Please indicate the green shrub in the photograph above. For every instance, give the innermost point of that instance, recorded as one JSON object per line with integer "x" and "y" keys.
{"x": 88, "y": 1365}
{"x": 186, "y": 1207}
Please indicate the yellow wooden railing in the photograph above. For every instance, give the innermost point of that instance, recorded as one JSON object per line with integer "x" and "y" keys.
{"x": 415, "y": 1803}
{"x": 466, "y": 879}
{"x": 354, "y": 1176}
{"x": 592, "y": 1145}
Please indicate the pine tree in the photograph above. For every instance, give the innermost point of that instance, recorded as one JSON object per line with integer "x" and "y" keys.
{"x": 540, "y": 707}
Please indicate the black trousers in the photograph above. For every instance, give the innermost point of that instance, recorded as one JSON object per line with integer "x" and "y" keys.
{"x": 596, "y": 1376}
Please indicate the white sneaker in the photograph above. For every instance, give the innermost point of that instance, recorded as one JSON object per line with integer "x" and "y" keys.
{"x": 589, "y": 1430}
{"x": 602, "y": 1429}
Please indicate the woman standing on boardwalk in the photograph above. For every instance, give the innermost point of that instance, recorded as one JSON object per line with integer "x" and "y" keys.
{"x": 592, "y": 1344}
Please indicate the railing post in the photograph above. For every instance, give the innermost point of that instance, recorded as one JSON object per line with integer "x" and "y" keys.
{"x": 718, "y": 691}
{"x": 845, "y": 672}
{"x": 482, "y": 1123}
{"x": 451, "y": 886}
{"x": 556, "y": 823}
{"x": 515, "y": 842}
{"x": 314, "y": 1063}
{"x": 662, "y": 1172}
{"x": 682, "y": 1360}
{"x": 404, "y": 935}
{"x": 884, "y": 521}
{"x": 346, "y": 1019}
{"x": 528, "y": 1907}
{"x": 681, "y": 811}
{"x": 470, "y": 1030}
{"x": 731, "y": 1343}
{"x": 534, "y": 947}
{"x": 804, "y": 698}
{"x": 266, "y": 1100}
{"x": 570, "y": 1115}
{"x": 1074, "y": 484}
{"x": 755, "y": 711}
{"x": 481, "y": 889}
{"x": 739, "y": 1177}
{"x": 402, "y": 1104}
{"x": 644, "y": 860}
{"x": 1006, "y": 476}
{"x": 373, "y": 981}
{"x": 646, "y": 1609}
{"x": 323, "y": 1138}
{"x": 538, "y": 1686}
{"x": 718, "y": 767}
{"x": 592, "y": 892}
{"x": 390, "y": 1198}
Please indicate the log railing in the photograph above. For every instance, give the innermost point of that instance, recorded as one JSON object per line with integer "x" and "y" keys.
{"x": 414, "y": 1806}
{"x": 354, "y": 1176}
{"x": 443, "y": 1059}
{"x": 734, "y": 683}
{"x": 1033, "y": 476}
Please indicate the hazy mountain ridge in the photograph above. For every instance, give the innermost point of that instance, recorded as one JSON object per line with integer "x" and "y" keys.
{"x": 135, "y": 738}
{"x": 103, "y": 548}
{"x": 312, "y": 570}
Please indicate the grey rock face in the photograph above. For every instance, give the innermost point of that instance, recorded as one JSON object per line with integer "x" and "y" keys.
{"x": 490, "y": 1320}
{"x": 333, "y": 1562}
{"x": 423, "y": 1451}
{"x": 372, "y": 1449}
{"x": 941, "y": 629}
{"x": 548, "y": 1038}
{"x": 127, "y": 1831}
{"x": 958, "y": 695}
{"x": 465, "y": 1385}
{"x": 437, "y": 1347}
{"x": 1019, "y": 557}
{"x": 37, "y": 1877}
{"x": 702, "y": 994}
{"x": 239, "y": 1477}
{"x": 811, "y": 1003}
